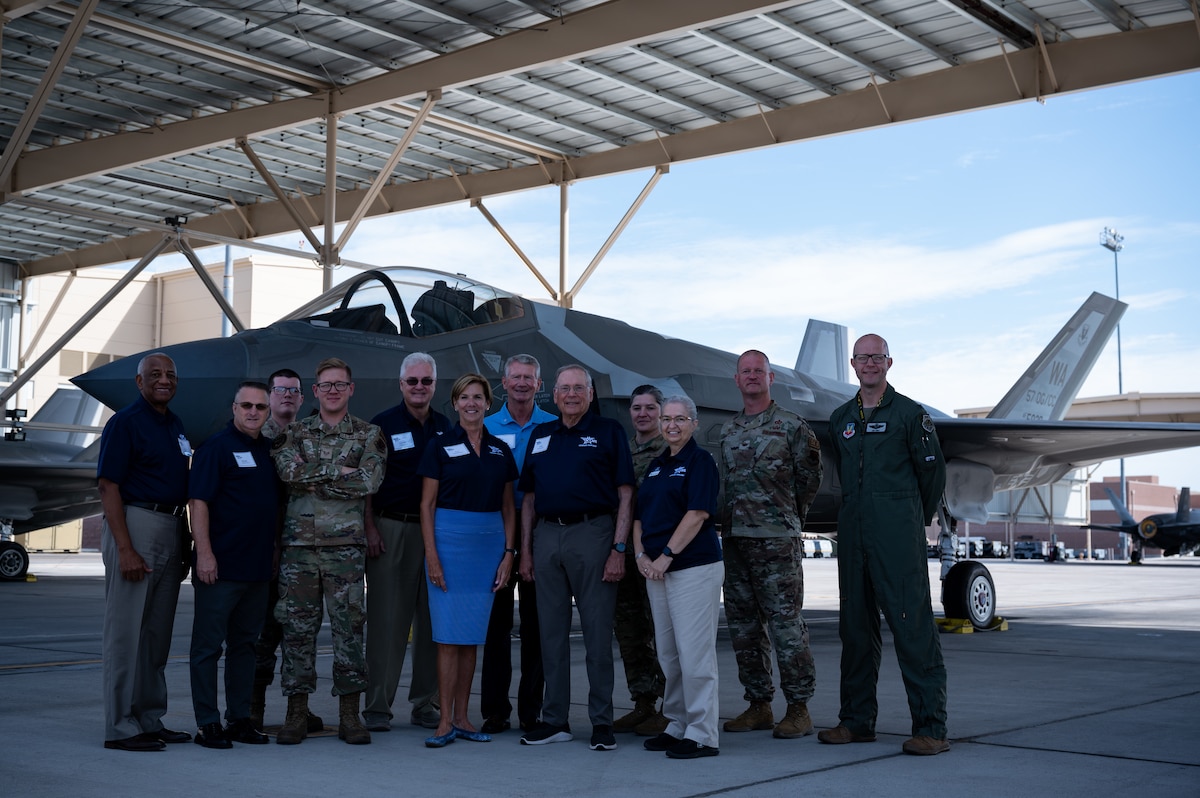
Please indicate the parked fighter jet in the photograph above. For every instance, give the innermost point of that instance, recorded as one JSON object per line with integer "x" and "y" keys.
{"x": 373, "y": 320}
{"x": 1174, "y": 533}
{"x": 47, "y": 474}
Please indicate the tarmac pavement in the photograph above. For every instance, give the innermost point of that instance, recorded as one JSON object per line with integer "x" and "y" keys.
{"x": 1093, "y": 690}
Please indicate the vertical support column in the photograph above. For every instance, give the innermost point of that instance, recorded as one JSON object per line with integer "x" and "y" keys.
{"x": 329, "y": 254}
{"x": 564, "y": 220}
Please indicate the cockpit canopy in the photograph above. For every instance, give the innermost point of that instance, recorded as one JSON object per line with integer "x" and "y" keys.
{"x": 411, "y": 302}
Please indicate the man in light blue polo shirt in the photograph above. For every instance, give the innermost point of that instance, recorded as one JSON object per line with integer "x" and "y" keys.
{"x": 513, "y": 424}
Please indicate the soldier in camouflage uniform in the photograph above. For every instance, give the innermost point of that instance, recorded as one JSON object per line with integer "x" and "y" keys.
{"x": 329, "y": 463}
{"x": 633, "y": 621}
{"x": 771, "y": 469}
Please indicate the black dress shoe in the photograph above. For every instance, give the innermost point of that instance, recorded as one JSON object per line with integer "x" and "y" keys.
{"x": 135, "y": 743}
{"x": 495, "y": 725}
{"x": 211, "y": 735}
{"x": 243, "y": 731}
{"x": 168, "y": 736}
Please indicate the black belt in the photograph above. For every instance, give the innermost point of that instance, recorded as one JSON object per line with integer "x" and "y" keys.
{"x": 408, "y": 518}
{"x": 169, "y": 509}
{"x": 567, "y": 520}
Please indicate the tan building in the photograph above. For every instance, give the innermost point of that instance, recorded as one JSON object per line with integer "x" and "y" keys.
{"x": 153, "y": 310}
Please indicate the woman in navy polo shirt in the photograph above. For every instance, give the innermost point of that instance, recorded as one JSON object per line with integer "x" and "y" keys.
{"x": 468, "y": 523}
{"x": 679, "y": 553}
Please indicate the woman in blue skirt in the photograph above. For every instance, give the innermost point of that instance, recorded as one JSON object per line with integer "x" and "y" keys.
{"x": 467, "y": 521}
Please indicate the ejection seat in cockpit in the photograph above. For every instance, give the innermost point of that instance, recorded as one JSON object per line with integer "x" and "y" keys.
{"x": 442, "y": 309}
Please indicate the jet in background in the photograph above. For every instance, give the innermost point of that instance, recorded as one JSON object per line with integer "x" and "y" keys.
{"x": 1174, "y": 533}
{"x": 49, "y": 476}
{"x": 375, "y": 319}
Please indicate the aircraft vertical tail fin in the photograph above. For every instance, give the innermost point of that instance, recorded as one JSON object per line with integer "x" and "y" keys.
{"x": 825, "y": 351}
{"x": 1183, "y": 514}
{"x": 1047, "y": 388}
{"x": 1122, "y": 511}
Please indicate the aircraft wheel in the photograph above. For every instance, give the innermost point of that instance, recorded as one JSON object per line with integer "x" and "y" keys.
{"x": 14, "y": 561}
{"x": 970, "y": 593}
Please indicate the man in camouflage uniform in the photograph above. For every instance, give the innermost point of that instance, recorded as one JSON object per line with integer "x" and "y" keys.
{"x": 329, "y": 463}
{"x": 633, "y": 622}
{"x": 286, "y": 398}
{"x": 771, "y": 469}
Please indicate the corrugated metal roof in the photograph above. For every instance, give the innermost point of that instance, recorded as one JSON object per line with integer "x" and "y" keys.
{"x": 531, "y": 93}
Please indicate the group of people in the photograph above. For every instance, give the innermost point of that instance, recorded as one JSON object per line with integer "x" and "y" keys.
{"x": 445, "y": 520}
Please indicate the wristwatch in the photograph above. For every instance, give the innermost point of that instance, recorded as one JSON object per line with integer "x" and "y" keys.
{"x": 513, "y": 552}
{"x": 667, "y": 552}
{"x": 619, "y": 548}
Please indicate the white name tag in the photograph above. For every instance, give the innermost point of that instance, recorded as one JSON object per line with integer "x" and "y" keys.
{"x": 185, "y": 448}
{"x": 244, "y": 459}
{"x": 541, "y": 444}
{"x": 876, "y": 426}
{"x": 402, "y": 441}
{"x": 457, "y": 450}
{"x": 510, "y": 440}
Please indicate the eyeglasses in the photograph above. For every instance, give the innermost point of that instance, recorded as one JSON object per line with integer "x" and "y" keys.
{"x": 677, "y": 420}
{"x": 412, "y": 381}
{"x": 326, "y": 387}
{"x": 283, "y": 389}
{"x": 248, "y": 405}
{"x": 580, "y": 389}
{"x": 876, "y": 359}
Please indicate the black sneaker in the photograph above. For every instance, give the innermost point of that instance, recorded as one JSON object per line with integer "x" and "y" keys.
{"x": 544, "y": 733}
{"x": 211, "y": 735}
{"x": 690, "y": 749}
{"x": 603, "y": 739}
{"x": 495, "y": 725}
{"x": 662, "y": 742}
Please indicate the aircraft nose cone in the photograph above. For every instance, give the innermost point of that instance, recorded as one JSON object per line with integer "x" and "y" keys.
{"x": 209, "y": 373}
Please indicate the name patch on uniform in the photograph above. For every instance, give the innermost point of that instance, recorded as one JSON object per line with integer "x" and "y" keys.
{"x": 541, "y": 444}
{"x": 402, "y": 441}
{"x": 876, "y": 426}
{"x": 849, "y": 431}
{"x": 244, "y": 459}
{"x": 185, "y": 448}
{"x": 457, "y": 450}
{"x": 510, "y": 440}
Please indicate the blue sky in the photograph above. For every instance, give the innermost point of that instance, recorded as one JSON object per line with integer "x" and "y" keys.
{"x": 966, "y": 241}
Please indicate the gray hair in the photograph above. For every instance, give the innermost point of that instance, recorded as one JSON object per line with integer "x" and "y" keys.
{"x": 415, "y": 358}
{"x": 573, "y": 367}
{"x": 142, "y": 363}
{"x": 524, "y": 360}
{"x": 686, "y": 401}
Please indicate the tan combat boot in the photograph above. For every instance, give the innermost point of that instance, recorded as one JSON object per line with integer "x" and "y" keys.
{"x": 796, "y": 723}
{"x": 295, "y": 725}
{"x": 642, "y": 710}
{"x": 652, "y": 726}
{"x": 758, "y": 717}
{"x": 350, "y": 726}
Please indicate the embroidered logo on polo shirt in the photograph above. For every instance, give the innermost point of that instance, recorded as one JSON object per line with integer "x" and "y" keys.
{"x": 653, "y": 473}
{"x": 588, "y": 442}
{"x": 679, "y": 471}
{"x": 495, "y": 450}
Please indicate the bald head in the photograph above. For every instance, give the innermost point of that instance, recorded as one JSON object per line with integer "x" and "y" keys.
{"x": 871, "y": 361}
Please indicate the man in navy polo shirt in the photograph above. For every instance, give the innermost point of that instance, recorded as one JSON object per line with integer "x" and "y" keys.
{"x": 143, "y": 472}
{"x": 234, "y": 527}
{"x": 576, "y": 477}
{"x": 397, "y": 597}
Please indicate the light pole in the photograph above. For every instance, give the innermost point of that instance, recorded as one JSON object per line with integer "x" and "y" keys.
{"x": 1110, "y": 239}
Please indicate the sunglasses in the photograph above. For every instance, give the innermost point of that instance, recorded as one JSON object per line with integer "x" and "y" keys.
{"x": 421, "y": 380}
{"x": 248, "y": 405}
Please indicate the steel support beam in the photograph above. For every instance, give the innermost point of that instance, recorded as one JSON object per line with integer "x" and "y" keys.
{"x": 207, "y": 279}
{"x": 27, "y": 374}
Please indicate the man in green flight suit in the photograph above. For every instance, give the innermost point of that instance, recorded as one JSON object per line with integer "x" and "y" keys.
{"x": 892, "y": 474}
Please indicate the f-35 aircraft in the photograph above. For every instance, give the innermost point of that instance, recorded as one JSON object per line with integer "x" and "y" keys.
{"x": 1174, "y": 533}
{"x": 375, "y": 319}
